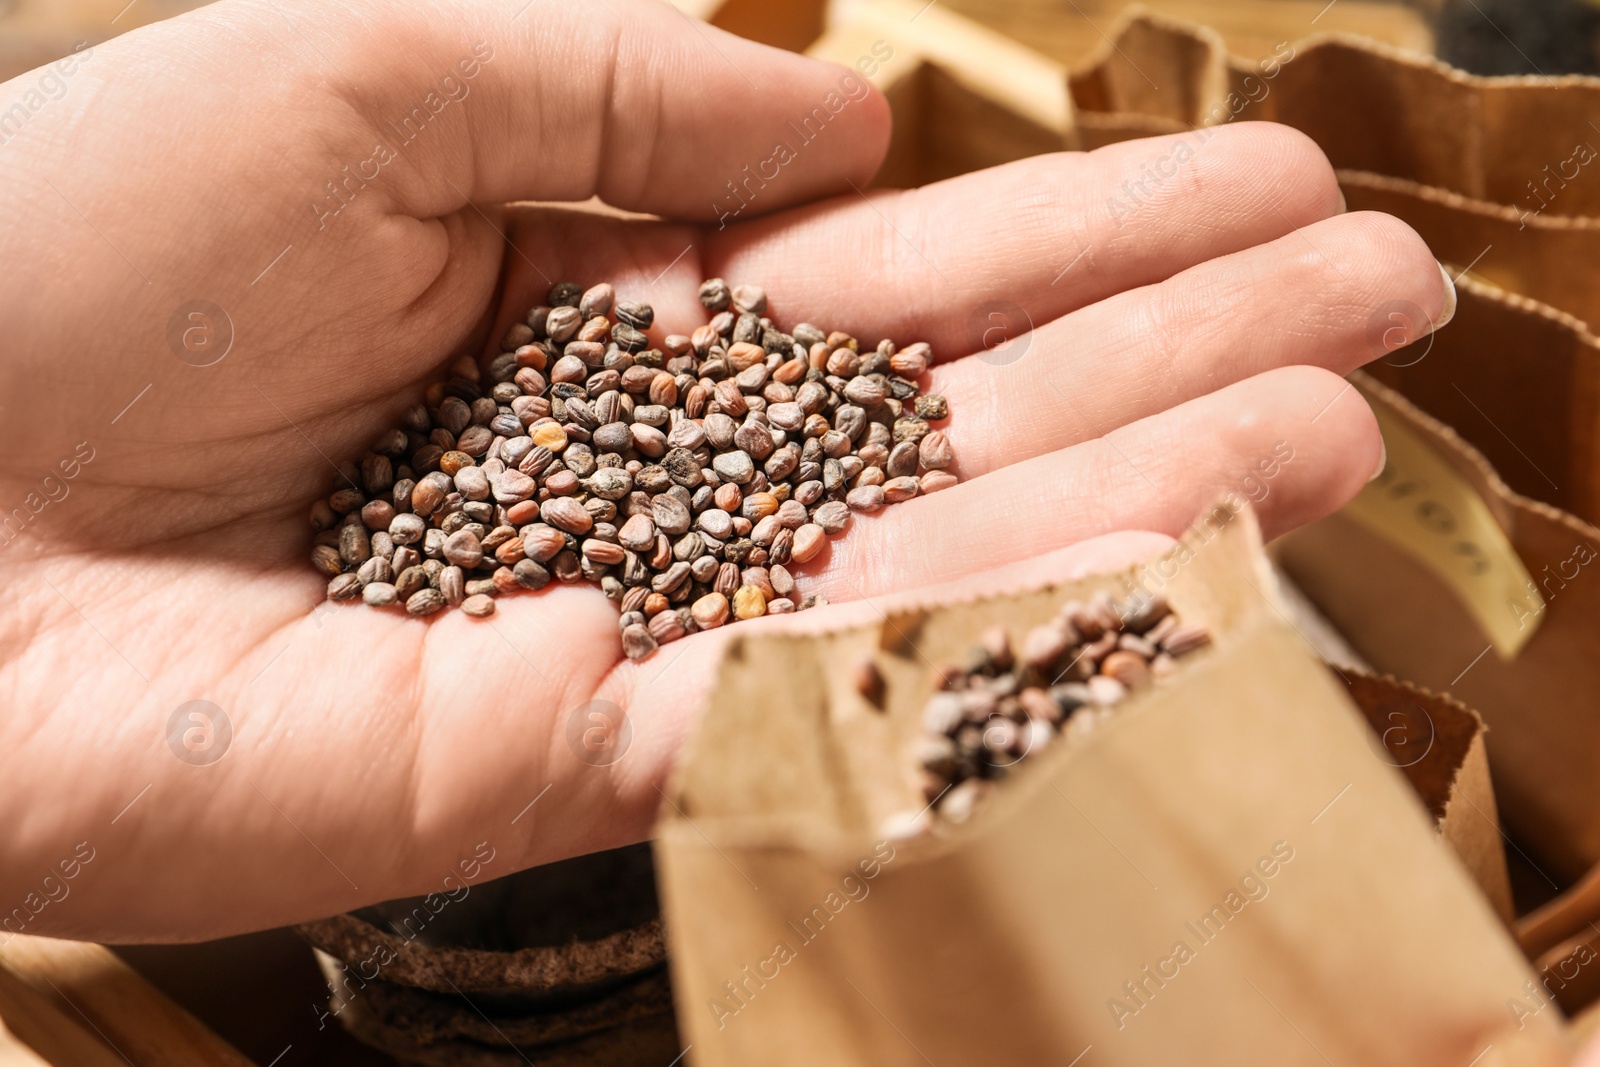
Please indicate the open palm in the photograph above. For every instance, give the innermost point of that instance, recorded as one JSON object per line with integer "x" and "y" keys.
{"x": 208, "y": 320}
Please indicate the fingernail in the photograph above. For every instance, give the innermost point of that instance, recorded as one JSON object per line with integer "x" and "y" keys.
{"x": 1343, "y": 207}
{"x": 1448, "y": 311}
{"x": 1383, "y": 458}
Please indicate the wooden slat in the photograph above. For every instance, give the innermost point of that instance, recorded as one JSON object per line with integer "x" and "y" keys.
{"x": 1071, "y": 32}
{"x": 54, "y": 1036}
{"x": 73, "y": 977}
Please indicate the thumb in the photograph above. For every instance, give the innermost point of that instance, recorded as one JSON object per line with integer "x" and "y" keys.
{"x": 629, "y": 100}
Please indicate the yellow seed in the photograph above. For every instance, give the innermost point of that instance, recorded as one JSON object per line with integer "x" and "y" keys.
{"x": 551, "y": 436}
{"x": 748, "y": 603}
{"x": 452, "y": 462}
{"x": 759, "y": 506}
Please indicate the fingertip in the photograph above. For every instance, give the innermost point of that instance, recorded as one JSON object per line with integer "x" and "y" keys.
{"x": 829, "y": 128}
{"x": 1333, "y": 438}
{"x": 1306, "y": 177}
{"x": 877, "y": 122}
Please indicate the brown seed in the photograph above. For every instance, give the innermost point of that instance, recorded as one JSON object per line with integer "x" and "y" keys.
{"x": 638, "y": 642}
{"x": 714, "y": 295}
{"x": 344, "y": 587}
{"x": 596, "y": 301}
{"x": 565, "y": 513}
{"x": 710, "y": 611}
{"x": 996, "y": 645}
{"x": 1043, "y": 646}
{"x": 758, "y": 506}
{"x": 1135, "y": 643}
{"x": 541, "y": 542}
{"x": 750, "y": 299}
{"x": 410, "y": 581}
{"x": 463, "y": 549}
{"x": 510, "y": 552}
{"x": 1129, "y": 668}
{"x": 377, "y": 515}
{"x": 911, "y": 361}
{"x": 782, "y": 581}
{"x": 376, "y": 569}
{"x": 808, "y": 542}
{"x": 934, "y": 452}
{"x": 666, "y": 627}
{"x": 526, "y": 574}
{"x": 424, "y": 602}
{"x": 902, "y": 460}
{"x": 670, "y": 514}
{"x": 899, "y": 490}
{"x": 379, "y": 594}
{"x": 326, "y": 559}
{"x": 865, "y": 498}
{"x": 833, "y": 516}
{"x": 1039, "y": 705}
{"x": 868, "y": 680}
{"x": 479, "y": 606}
{"x": 426, "y": 497}
{"x": 933, "y": 481}
{"x": 869, "y": 393}
{"x": 513, "y": 487}
{"x": 356, "y": 544}
{"x": 562, "y": 483}
{"x": 638, "y": 533}
{"x": 1143, "y": 612}
{"x": 1158, "y": 633}
{"x": 453, "y": 584}
{"x": 1186, "y": 638}
{"x": 843, "y": 363}
{"x": 472, "y": 483}
{"x": 741, "y": 357}
{"x": 758, "y": 577}
{"x": 602, "y": 552}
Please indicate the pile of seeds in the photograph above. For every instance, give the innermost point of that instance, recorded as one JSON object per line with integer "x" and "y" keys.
{"x": 684, "y": 479}
{"x": 1002, "y": 706}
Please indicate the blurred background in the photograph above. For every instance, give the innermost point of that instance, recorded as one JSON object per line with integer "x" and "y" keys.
{"x": 1498, "y": 37}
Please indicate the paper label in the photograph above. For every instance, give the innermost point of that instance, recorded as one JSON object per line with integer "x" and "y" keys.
{"x": 1422, "y": 504}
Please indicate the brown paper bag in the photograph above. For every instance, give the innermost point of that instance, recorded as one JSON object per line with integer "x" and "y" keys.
{"x": 1520, "y": 382}
{"x": 1550, "y": 257}
{"x": 1371, "y": 108}
{"x": 1438, "y": 744}
{"x": 1223, "y": 872}
{"x": 1420, "y": 588}
{"x": 1500, "y": 174}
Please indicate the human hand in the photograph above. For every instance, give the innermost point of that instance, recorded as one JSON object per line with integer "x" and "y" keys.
{"x": 1178, "y": 346}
